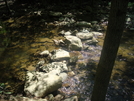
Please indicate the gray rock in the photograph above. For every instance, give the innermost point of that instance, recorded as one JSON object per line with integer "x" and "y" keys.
{"x": 73, "y": 43}
{"x": 83, "y": 24}
{"x": 73, "y": 59}
{"x": 84, "y": 36}
{"x": 93, "y": 41}
{"x": 54, "y": 68}
{"x": 40, "y": 84}
{"x": 60, "y": 55}
{"x": 56, "y": 14}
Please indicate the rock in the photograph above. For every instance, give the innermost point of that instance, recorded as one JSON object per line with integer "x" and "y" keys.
{"x": 58, "y": 42}
{"x": 83, "y": 24}
{"x": 20, "y": 98}
{"x": 97, "y": 33}
{"x": 55, "y": 14}
{"x": 50, "y": 97}
{"x": 54, "y": 68}
{"x": 58, "y": 97}
{"x": 73, "y": 43}
{"x": 46, "y": 53}
{"x": 63, "y": 76}
{"x": 84, "y": 36}
{"x": 73, "y": 59}
{"x": 40, "y": 84}
{"x": 71, "y": 74}
{"x": 74, "y": 98}
{"x": 67, "y": 33}
{"x": 93, "y": 41}
{"x": 60, "y": 55}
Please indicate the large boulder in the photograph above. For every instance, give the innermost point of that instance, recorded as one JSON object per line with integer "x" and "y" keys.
{"x": 60, "y": 55}
{"x": 73, "y": 43}
{"x": 84, "y": 36}
{"x": 40, "y": 84}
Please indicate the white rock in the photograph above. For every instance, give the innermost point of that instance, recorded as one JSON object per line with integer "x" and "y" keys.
{"x": 67, "y": 33}
{"x": 40, "y": 84}
{"x": 46, "y": 52}
{"x": 63, "y": 76}
{"x": 73, "y": 43}
{"x": 97, "y": 33}
{"x": 60, "y": 55}
{"x": 84, "y": 36}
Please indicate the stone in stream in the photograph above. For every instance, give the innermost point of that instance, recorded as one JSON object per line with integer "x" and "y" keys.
{"x": 84, "y": 36}
{"x": 40, "y": 84}
{"x": 97, "y": 33}
{"x": 60, "y": 55}
{"x": 74, "y": 98}
{"x": 92, "y": 41}
{"x": 59, "y": 67}
{"x": 73, "y": 43}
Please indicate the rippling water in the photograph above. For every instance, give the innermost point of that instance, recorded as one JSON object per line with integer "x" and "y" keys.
{"x": 121, "y": 84}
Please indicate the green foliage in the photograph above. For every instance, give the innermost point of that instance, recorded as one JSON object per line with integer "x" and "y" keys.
{"x": 3, "y": 89}
{"x": 130, "y": 4}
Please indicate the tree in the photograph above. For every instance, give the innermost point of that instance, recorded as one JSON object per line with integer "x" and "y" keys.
{"x": 110, "y": 48}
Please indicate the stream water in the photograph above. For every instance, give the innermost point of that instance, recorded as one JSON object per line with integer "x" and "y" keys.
{"x": 80, "y": 81}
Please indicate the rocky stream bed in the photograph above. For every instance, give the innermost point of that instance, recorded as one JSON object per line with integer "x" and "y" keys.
{"x": 59, "y": 64}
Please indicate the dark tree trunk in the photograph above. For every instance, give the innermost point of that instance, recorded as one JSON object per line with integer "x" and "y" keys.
{"x": 110, "y": 48}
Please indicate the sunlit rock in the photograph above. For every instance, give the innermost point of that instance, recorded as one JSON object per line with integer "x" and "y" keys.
{"x": 54, "y": 68}
{"x": 73, "y": 43}
{"x": 40, "y": 84}
{"x": 93, "y": 41}
{"x": 97, "y": 33}
{"x": 67, "y": 33}
{"x": 84, "y": 36}
{"x": 60, "y": 55}
{"x": 46, "y": 52}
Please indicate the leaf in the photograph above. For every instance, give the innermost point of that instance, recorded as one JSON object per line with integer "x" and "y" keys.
{"x": 1, "y": 92}
{"x": 2, "y": 84}
{"x": 7, "y": 93}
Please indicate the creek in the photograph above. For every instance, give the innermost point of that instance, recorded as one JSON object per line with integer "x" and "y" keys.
{"x": 21, "y": 56}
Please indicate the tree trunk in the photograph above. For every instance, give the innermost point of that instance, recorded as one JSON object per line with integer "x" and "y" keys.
{"x": 110, "y": 48}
